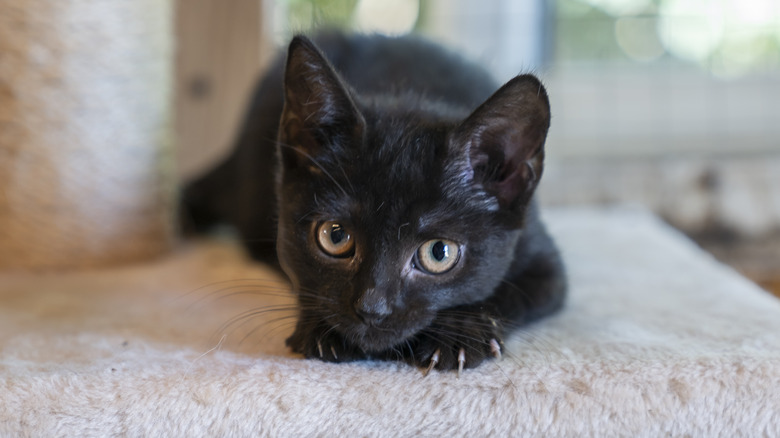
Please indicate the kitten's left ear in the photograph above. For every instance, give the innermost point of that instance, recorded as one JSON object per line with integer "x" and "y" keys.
{"x": 317, "y": 104}
{"x": 504, "y": 138}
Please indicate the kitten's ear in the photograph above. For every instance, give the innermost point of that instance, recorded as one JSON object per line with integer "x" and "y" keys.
{"x": 504, "y": 138}
{"x": 317, "y": 104}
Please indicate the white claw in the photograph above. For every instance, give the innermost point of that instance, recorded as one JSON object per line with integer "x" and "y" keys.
{"x": 319, "y": 348}
{"x": 333, "y": 350}
{"x": 495, "y": 348}
{"x": 461, "y": 361}
{"x": 434, "y": 361}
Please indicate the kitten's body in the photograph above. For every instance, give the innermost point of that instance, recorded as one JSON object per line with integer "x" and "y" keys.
{"x": 398, "y": 158}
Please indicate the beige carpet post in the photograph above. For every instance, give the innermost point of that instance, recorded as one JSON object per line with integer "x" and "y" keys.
{"x": 86, "y": 174}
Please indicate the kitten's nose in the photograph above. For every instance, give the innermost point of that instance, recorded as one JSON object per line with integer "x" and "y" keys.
{"x": 372, "y": 308}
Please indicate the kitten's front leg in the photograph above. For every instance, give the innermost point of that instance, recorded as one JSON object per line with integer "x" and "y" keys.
{"x": 460, "y": 337}
{"x": 465, "y": 336}
{"x": 315, "y": 339}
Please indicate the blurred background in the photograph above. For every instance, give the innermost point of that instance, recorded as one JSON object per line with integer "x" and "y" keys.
{"x": 671, "y": 104}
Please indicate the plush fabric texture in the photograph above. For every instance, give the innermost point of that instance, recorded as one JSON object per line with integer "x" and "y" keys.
{"x": 657, "y": 339}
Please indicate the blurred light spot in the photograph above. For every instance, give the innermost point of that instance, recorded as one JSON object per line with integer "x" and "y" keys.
{"x": 637, "y": 37}
{"x": 391, "y": 18}
{"x": 691, "y": 29}
{"x": 740, "y": 55}
{"x": 754, "y": 14}
{"x": 573, "y": 8}
{"x": 621, "y": 7}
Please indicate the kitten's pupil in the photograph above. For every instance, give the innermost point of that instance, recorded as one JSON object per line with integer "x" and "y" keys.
{"x": 437, "y": 256}
{"x": 334, "y": 239}
{"x": 337, "y": 234}
{"x": 440, "y": 251}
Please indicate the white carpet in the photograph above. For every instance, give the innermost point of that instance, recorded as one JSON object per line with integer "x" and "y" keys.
{"x": 657, "y": 339}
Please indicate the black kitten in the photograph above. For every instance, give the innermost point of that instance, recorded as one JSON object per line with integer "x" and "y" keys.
{"x": 405, "y": 217}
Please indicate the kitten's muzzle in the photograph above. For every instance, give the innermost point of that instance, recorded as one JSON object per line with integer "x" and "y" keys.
{"x": 372, "y": 308}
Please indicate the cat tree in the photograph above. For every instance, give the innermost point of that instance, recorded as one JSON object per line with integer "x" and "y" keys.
{"x": 657, "y": 339}
{"x": 85, "y": 132}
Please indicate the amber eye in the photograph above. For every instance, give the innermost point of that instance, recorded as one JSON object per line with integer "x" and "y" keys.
{"x": 334, "y": 239}
{"x": 438, "y": 256}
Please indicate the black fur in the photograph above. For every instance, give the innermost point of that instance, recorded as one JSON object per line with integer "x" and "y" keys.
{"x": 400, "y": 142}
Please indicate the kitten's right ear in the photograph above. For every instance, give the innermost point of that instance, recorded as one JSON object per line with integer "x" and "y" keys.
{"x": 317, "y": 105}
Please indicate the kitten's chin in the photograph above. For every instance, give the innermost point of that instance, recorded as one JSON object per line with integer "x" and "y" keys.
{"x": 378, "y": 339}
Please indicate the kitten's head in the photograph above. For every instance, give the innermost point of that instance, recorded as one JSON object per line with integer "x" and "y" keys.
{"x": 392, "y": 209}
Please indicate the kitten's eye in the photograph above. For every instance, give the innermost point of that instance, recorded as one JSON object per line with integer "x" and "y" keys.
{"x": 334, "y": 239}
{"x": 438, "y": 256}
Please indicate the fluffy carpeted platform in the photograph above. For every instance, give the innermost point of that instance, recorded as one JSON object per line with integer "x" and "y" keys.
{"x": 657, "y": 339}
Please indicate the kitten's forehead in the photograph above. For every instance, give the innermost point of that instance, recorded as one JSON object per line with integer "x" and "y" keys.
{"x": 401, "y": 144}
{"x": 401, "y": 175}
{"x": 406, "y": 177}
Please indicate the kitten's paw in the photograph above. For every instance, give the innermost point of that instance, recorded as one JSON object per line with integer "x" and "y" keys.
{"x": 457, "y": 340}
{"x": 323, "y": 343}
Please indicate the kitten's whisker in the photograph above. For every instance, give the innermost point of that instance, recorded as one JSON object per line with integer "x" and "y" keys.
{"x": 457, "y": 338}
{"x": 501, "y": 369}
{"x": 411, "y": 350}
{"x": 245, "y": 292}
{"x": 216, "y": 283}
{"x": 253, "y": 313}
{"x": 346, "y": 178}
{"x": 308, "y": 213}
{"x": 254, "y": 330}
{"x": 248, "y": 290}
{"x": 284, "y": 321}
